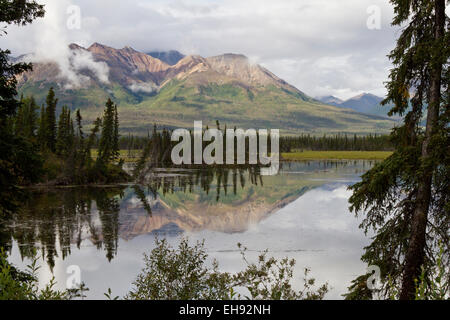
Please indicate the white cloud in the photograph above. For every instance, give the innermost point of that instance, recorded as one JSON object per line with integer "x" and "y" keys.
{"x": 320, "y": 46}
{"x": 81, "y": 59}
{"x": 50, "y": 41}
{"x": 143, "y": 87}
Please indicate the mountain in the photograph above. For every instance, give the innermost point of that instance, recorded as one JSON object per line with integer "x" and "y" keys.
{"x": 228, "y": 88}
{"x": 331, "y": 100}
{"x": 364, "y": 103}
{"x": 170, "y": 57}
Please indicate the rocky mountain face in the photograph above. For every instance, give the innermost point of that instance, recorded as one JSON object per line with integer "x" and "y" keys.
{"x": 127, "y": 66}
{"x": 174, "y": 90}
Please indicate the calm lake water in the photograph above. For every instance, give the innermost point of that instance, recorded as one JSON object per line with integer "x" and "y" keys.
{"x": 301, "y": 213}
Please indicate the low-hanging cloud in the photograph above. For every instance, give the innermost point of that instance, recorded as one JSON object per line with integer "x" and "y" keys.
{"x": 51, "y": 44}
{"x": 81, "y": 59}
{"x": 143, "y": 87}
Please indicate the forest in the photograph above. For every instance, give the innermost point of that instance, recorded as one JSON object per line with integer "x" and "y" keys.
{"x": 61, "y": 151}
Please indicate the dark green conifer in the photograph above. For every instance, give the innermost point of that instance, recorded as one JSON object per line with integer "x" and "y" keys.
{"x": 50, "y": 120}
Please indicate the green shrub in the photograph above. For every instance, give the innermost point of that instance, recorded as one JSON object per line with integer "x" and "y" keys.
{"x": 20, "y": 285}
{"x": 174, "y": 274}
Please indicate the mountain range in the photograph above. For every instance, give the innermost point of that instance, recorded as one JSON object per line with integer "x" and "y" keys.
{"x": 170, "y": 89}
{"x": 364, "y": 103}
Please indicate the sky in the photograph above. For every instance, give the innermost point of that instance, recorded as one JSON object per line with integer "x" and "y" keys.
{"x": 323, "y": 47}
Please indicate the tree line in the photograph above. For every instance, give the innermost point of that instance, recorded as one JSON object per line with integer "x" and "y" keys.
{"x": 292, "y": 143}
{"x": 338, "y": 142}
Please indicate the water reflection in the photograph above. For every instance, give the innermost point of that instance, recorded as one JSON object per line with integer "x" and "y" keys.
{"x": 63, "y": 218}
{"x": 203, "y": 203}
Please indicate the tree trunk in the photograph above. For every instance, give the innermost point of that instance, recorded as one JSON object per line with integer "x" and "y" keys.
{"x": 416, "y": 250}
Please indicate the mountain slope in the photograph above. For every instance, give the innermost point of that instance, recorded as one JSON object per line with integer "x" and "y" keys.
{"x": 227, "y": 88}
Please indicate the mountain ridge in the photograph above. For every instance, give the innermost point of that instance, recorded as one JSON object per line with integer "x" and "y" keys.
{"x": 367, "y": 103}
{"x": 226, "y": 87}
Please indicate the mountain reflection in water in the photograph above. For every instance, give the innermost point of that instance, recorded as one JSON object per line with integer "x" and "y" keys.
{"x": 172, "y": 202}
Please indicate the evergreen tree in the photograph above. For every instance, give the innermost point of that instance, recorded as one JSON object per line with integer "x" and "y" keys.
{"x": 50, "y": 121}
{"x": 26, "y": 122}
{"x": 406, "y": 198}
{"x": 65, "y": 137}
{"x": 18, "y": 159}
{"x": 80, "y": 138}
{"x": 60, "y": 138}
{"x": 79, "y": 119}
{"x": 42, "y": 128}
{"x": 116, "y": 150}
{"x": 91, "y": 140}
{"x": 107, "y": 144}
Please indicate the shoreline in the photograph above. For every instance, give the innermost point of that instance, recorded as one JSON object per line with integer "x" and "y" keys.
{"x": 285, "y": 157}
{"x": 335, "y": 155}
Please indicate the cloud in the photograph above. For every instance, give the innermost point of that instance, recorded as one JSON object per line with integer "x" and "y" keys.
{"x": 50, "y": 41}
{"x": 320, "y": 46}
{"x": 81, "y": 59}
{"x": 143, "y": 87}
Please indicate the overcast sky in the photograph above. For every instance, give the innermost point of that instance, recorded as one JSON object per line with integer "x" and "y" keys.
{"x": 320, "y": 46}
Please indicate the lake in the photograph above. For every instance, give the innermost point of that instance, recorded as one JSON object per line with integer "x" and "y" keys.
{"x": 301, "y": 213}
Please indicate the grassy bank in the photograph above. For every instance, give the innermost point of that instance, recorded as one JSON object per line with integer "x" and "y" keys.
{"x": 336, "y": 155}
{"x": 134, "y": 155}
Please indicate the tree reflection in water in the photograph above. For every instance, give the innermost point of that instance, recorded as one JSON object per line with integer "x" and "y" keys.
{"x": 54, "y": 221}
{"x": 62, "y": 217}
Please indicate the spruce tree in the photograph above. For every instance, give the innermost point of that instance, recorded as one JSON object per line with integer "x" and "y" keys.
{"x": 107, "y": 144}
{"x": 79, "y": 139}
{"x": 50, "y": 121}
{"x": 17, "y": 159}
{"x": 26, "y": 121}
{"x": 42, "y": 128}
{"x": 91, "y": 140}
{"x": 116, "y": 149}
{"x": 79, "y": 119}
{"x": 61, "y": 132}
{"x": 65, "y": 136}
{"x": 406, "y": 197}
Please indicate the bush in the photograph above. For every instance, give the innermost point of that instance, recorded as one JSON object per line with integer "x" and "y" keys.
{"x": 20, "y": 285}
{"x": 181, "y": 274}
